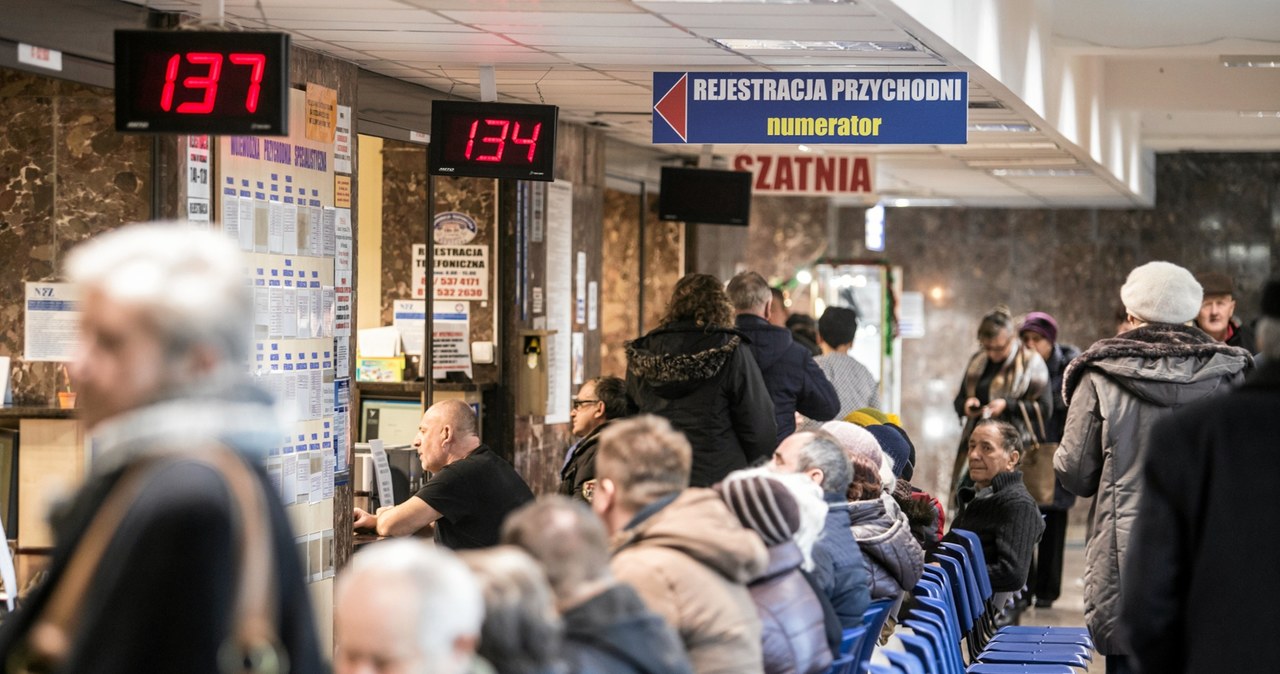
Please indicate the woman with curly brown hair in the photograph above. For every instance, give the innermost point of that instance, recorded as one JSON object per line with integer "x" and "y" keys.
{"x": 694, "y": 371}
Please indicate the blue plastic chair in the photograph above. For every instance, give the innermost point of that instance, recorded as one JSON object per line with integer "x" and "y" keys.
{"x": 969, "y": 553}
{"x": 981, "y": 668}
{"x": 945, "y": 651}
{"x": 904, "y": 662}
{"x": 936, "y": 620}
{"x": 841, "y": 665}
{"x": 873, "y": 620}
{"x": 923, "y": 652}
{"x": 851, "y": 639}
{"x": 1034, "y": 658}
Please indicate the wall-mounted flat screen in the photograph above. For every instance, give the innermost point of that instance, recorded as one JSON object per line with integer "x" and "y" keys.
{"x": 709, "y": 196}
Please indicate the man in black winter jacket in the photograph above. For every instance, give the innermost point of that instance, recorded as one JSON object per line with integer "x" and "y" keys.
{"x": 794, "y": 380}
{"x": 607, "y": 627}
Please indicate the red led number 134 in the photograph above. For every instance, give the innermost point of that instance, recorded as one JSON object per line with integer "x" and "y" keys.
{"x": 502, "y": 126}
{"x": 209, "y": 82}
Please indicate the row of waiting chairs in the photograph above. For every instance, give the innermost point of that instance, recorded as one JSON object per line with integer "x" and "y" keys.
{"x": 953, "y": 603}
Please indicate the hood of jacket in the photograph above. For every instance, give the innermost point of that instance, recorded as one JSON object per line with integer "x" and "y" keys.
{"x": 676, "y": 358}
{"x": 701, "y": 526}
{"x": 618, "y": 623}
{"x": 1164, "y": 364}
{"x": 768, "y": 341}
{"x": 884, "y": 534}
{"x": 783, "y": 558}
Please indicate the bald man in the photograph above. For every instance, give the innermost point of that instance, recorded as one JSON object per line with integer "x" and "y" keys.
{"x": 471, "y": 489}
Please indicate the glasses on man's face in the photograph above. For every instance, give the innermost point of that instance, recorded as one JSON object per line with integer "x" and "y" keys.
{"x": 580, "y": 402}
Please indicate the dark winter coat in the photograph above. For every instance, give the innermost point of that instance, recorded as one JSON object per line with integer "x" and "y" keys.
{"x": 894, "y": 559}
{"x": 1199, "y": 593}
{"x": 794, "y": 380}
{"x": 707, "y": 384}
{"x": 838, "y": 567}
{"x": 1116, "y": 391}
{"x": 1062, "y": 356}
{"x": 794, "y": 638}
{"x": 581, "y": 467}
{"x": 1008, "y": 524}
{"x": 614, "y": 633}
{"x": 162, "y": 598}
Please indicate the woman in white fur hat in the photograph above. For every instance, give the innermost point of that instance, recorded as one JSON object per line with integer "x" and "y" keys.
{"x": 1116, "y": 390}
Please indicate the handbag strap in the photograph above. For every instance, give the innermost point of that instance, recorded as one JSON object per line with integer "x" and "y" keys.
{"x": 1040, "y": 419}
{"x": 1035, "y": 439}
{"x": 252, "y": 646}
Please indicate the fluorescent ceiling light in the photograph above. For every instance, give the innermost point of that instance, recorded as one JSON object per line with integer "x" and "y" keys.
{"x": 1031, "y": 161}
{"x": 1008, "y": 145}
{"x": 1250, "y": 61}
{"x": 815, "y": 45}
{"x": 1003, "y": 128}
{"x": 763, "y": 2}
{"x": 1039, "y": 173}
{"x": 1259, "y": 113}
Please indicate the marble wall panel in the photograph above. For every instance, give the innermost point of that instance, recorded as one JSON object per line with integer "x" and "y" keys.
{"x": 636, "y": 287}
{"x": 539, "y": 447}
{"x": 664, "y": 263}
{"x": 620, "y": 252}
{"x": 65, "y": 174}
{"x": 404, "y": 223}
{"x": 1213, "y": 212}
{"x": 404, "y": 218}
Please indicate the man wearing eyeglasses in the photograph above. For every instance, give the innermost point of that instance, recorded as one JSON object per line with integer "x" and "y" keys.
{"x": 599, "y": 401}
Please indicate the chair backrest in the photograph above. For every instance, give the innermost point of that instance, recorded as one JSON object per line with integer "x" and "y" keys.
{"x": 851, "y": 640}
{"x": 943, "y": 611}
{"x": 973, "y": 545}
{"x": 937, "y": 641}
{"x": 919, "y": 647}
{"x": 960, "y": 594}
{"x": 873, "y": 620}
{"x": 841, "y": 665}
{"x": 905, "y": 662}
{"x": 969, "y": 573}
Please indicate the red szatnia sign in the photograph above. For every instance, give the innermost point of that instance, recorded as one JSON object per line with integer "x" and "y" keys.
{"x": 808, "y": 173}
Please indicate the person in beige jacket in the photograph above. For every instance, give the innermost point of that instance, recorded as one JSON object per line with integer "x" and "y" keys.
{"x": 681, "y": 548}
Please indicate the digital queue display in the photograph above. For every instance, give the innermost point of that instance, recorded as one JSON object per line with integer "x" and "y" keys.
{"x": 493, "y": 140}
{"x": 202, "y": 82}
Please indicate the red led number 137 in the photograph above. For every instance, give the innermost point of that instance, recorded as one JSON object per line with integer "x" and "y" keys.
{"x": 502, "y": 126}
{"x": 209, "y": 82}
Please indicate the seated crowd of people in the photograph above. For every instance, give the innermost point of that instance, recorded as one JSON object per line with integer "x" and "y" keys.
{"x": 708, "y": 519}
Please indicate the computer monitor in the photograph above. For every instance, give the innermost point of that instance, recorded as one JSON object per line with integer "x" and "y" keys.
{"x": 395, "y": 422}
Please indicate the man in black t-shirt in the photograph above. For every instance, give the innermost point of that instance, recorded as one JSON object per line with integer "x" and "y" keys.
{"x": 471, "y": 489}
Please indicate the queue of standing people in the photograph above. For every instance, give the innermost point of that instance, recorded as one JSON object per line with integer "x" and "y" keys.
{"x": 730, "y": 506}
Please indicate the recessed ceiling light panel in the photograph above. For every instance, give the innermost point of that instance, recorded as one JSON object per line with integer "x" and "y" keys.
{"x": 1250, "y": 61}
{"x": 815, "y": 45}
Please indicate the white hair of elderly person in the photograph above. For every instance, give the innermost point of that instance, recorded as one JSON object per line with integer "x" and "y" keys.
{"x": 404, "y": 606}
{"x": 166, "y": 330}
{"x": 808, "y": 496}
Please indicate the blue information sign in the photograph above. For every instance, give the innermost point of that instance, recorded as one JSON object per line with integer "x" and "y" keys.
{"x": 889, "y": 108}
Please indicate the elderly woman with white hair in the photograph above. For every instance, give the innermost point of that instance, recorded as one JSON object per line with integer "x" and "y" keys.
{"x": 156, "y": 566}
